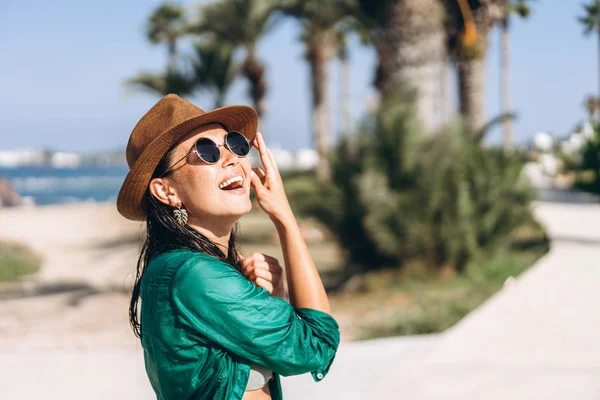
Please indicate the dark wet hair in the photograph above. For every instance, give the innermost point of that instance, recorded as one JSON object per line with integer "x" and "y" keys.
{"x": 163, "y": 233}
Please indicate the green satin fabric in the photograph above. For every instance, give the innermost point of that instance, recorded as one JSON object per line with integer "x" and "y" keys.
{"x": 203, "y": 323}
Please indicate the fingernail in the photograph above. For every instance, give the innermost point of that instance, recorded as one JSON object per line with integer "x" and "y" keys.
{"x": 252, "y": 174}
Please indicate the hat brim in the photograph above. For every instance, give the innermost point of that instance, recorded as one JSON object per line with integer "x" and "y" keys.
{"x": 129, "y": 201}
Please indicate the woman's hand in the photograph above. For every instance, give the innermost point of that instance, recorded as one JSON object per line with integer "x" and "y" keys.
{"x": 265, "y": 272}
{"x": 268, "y": 185}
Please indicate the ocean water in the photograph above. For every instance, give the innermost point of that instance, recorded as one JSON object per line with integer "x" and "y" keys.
{"x": 48, "y": 185}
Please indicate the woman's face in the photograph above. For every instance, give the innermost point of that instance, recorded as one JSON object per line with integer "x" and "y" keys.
{"x": 199, "y": 185}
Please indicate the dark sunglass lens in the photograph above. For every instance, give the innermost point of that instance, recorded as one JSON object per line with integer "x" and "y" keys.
{"x": 207, "y": 150}
{"x": 238, "y": 144}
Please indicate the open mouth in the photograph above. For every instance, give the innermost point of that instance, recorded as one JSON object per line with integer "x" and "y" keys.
{"x": 233, "y": 183}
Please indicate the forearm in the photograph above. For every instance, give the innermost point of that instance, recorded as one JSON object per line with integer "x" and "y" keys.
{"x": 305, "y": 287}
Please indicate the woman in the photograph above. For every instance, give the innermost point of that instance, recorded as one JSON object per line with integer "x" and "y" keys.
{"x": 214, "y": 324}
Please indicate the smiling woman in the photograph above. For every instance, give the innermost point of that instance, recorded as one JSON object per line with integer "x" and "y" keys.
{"x": 214, "y": 323}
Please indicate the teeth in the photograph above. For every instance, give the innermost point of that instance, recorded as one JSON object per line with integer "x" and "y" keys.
{"x": 230, "y": 181}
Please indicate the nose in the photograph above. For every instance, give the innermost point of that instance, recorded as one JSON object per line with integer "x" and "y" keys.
{"x": 227, "y": 157}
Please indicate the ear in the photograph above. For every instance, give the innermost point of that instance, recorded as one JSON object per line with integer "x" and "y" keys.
{"x": 163, "y": 191}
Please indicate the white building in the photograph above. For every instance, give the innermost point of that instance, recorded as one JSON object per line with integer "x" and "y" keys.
{"x": 21, "y": 157}
{"x": 65, "y": 160}
{"x": 306, "y": 158}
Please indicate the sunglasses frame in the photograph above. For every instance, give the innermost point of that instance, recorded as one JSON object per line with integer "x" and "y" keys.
{"x": 224, "y": 144}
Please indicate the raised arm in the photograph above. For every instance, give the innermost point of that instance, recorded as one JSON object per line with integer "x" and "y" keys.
{"x": 304, "y": 283}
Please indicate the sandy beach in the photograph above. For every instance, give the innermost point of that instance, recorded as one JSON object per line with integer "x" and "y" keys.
{"x": 80, "y": 297}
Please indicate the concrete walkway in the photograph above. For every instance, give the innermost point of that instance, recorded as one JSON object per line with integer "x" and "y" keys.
{"x": 539, "y": 338}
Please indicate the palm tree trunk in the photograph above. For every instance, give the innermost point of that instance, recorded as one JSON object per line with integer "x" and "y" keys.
{"x": 444, "y": 90}
{"x": 172, "y": 49}
{"x": 597, "y": 113}
{"x": 254, "y": 71}
{"x": 505, "y": 84}
{"x": 220, "y": 98}
{"x": 417, "y": 44}
{"x": 317, "y": 54}
{"x": 471, "y": 83}
{"x": 383, "y": 70}
{"x": 346, "y": 118}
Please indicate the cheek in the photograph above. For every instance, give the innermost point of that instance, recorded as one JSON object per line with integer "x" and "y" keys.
{"x": 197, "y": 187}
{"x": 245, "y": 164}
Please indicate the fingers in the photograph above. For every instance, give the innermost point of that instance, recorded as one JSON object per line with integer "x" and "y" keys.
{"x": 273, "y": 160}
{"x": 263, "y": 273}
{"x": 261, "y": 265}
{"x": 256, "y": 256}
{"x": 260, "y": 173}
{"x": 256, "y": 182}
{"x": 264, "y": 284}
{"x": 265, "y": 155}
{"x": 264, "y": 269}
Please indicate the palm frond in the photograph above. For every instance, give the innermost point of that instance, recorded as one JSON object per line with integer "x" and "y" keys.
{"x": 162, "y": 84}
{"x": 165, "y": 23}
{"x": 214, "y": 67}
{"x": 480, "y": 134}
{"x": 590, "y": 18}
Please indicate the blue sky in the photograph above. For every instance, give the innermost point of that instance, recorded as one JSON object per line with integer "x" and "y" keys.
{"x": 63, "y": 63}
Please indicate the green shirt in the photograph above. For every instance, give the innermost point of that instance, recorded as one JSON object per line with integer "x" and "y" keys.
{"x": 203, "y": 323}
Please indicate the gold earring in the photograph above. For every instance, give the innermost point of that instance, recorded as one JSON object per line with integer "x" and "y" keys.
{"x": 180, "y": 214}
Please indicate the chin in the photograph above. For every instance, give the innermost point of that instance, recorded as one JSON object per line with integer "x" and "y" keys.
{"x": 241, "y": 210}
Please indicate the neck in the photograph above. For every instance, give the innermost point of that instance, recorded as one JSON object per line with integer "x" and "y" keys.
{"x": 218, "y": 233}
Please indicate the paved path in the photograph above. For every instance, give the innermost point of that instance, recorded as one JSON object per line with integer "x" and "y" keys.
{"x": 537, "y": 339}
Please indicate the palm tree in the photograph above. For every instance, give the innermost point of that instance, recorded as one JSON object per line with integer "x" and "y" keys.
{"x": 408, "y": 36}
{"x": 166, "y": 26}
{"x": 343, "y": 55}
{"x": 520, "y": 8}
{"x": 592, "y": 105}
{"x": 241, "y": 23}
{"x": 214, "y": 67}
{"x": 591, "y": 23}
{"x": 373, "y": 22}
{"x": 211, "y": 67}
{"x": 416, "y": 37}
{"x": 468, "y": 24}
{"x": 321, "y": 24}
{"x": 320, "y": 48}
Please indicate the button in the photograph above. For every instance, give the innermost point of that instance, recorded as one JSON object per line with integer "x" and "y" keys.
{"x": 319, "y": 376}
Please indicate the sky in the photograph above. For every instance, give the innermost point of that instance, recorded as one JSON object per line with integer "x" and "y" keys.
{"x": 63, "y": 64}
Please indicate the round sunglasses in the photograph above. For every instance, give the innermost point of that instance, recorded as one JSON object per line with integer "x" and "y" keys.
{"x": 209, "y": 152}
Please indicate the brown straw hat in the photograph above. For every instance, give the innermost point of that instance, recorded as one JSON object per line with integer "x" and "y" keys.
{"x": 160, "y": 128}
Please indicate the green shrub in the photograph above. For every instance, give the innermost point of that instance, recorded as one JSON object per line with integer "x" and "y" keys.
{"x": 587, "y": 165}
{"x": 16, "y": 261}
{"x": 397, "y": 194}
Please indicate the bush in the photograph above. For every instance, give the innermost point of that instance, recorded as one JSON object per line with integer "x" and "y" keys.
{"x": 16, "y": 261}
{"x": 587, "y": 166}
{"x": 398, "y": 195}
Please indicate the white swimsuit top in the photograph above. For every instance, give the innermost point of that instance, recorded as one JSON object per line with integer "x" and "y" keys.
{"x": 259, "y": 376}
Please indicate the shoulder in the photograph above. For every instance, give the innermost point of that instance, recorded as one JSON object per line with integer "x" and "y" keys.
{"x": 206, "y": 279}
{"x": 199, "y": 270}
{"x": 164, "y": 267}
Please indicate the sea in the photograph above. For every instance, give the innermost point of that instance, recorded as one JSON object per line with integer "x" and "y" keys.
{"x": 43, "y": 185}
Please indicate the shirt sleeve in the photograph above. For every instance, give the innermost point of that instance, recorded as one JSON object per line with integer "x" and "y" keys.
{"x": 218, "y": 303}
